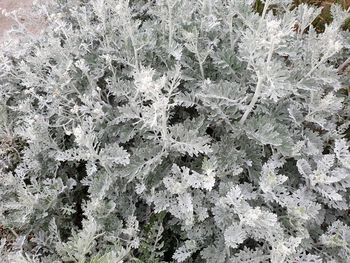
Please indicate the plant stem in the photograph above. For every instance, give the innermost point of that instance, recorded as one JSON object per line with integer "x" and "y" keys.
{"x": 254, "y": 99}
{"x": 201, "y": 69}
{"x": 266, "y": 6}
{"x": 343, "y": 66}
{"x": 322, "y": 60}
{"x": 230, "y": 21}
{"x": 260, "y": 78}
{"x": 170, "y": 25}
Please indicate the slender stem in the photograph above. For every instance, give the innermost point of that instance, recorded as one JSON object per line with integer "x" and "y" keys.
{"x": 228, "y": 252}
{"x": 266, "y": 6}
{"x": 260, "y": 78}
{"x": 135, "y": 53}
{"x": 258, "y": 87}
{"x": 170, "y": 25}
{"x": 165, "y": 127}
{"x": 269, "y": 56}
{"x": 131, "y": 33}
{"x": 315, "y": 67}
{"x": 199, "y": 59}
{"x": 156, "y": 241}
{"x": 213, "y": 96}
{"x": 201, "y": 69}
{"x": 245, "y": 21}
{"x": 230, "y": 21}
{"x": 323, "y": 59}
{"x": 13, "y": 232}
{"x": 343, "y": 66}
{"x": 254, "y": 99}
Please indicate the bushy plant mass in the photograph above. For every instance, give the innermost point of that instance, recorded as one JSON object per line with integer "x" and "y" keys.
{"x": 176, "y": 131}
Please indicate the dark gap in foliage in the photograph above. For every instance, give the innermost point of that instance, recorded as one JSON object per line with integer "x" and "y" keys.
{"x": 142, "y": 212}
{"x": 172, "y": 240}
{"x": 12, "y": 147}
{"x": 250, "y": 243}
{"x": 79, "y": 193}
{"x": 180, "y": 113}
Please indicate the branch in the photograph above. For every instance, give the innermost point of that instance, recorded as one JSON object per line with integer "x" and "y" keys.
{"x": 343, "y": 66}
{"x": 254, "y": 99}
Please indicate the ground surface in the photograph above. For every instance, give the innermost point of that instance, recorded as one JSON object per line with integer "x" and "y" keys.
{"x": 24, "y": 15}
{"x": 34, "y": 24}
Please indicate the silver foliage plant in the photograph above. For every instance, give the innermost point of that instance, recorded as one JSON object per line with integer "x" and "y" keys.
{"x": 175, "y": 131}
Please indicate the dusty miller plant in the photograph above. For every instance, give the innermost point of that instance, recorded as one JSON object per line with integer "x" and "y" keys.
{"x": 175, "y": 131}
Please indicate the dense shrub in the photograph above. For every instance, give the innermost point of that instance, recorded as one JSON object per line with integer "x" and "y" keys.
{"x": 183, "y": 130}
